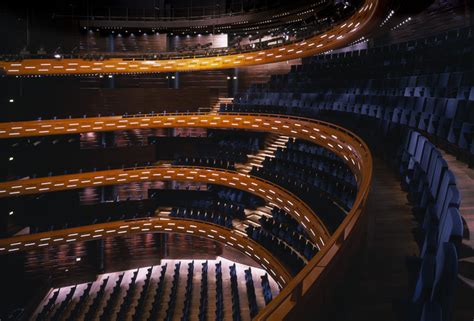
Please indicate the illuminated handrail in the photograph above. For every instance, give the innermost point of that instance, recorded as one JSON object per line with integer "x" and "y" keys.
{"x": 214, "y": 232}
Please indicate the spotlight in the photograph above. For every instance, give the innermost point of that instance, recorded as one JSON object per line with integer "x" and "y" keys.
{"x": 10, "y": 213}
{"x": 78, "y": 259}
{"x": 57, "y": 56}
{"x": 11, "y": 158}
{"x": 11, "y": 100}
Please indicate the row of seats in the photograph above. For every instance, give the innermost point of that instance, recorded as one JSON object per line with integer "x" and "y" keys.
{"x": 62, "y": 307}
{"x": 252, "y": 298}
{"x": 310, "y": 188}
{"x": 237, "y": 197}
{"x": 80, "y": 305}
{"x": 267, "y": 293}
{"x": 114, "y": 297}
{"x": 205, "y": 162}
{"x": 93, "y": 308}
{"x": 174, "y": 291}
{"x": 448, "y": 39}
{"x": 185, "y": 316}
{"x": 140, "y": 307}
{"x": 128, "y": 299}
{"x": 204, "y": 298}
{"x": 277, "y": 247}
{"x": 203, "y": 215}
{"x": 318, "y": 157}
{"x": 47, "y": 307}
{"x": 433, "y": 192}
{"x": 231, "y": 142}
{"x": 158, "y": 295}
{"x": 335, "y": 179}
{"x": 290, "y": 236}
{"x": 283, "y": 217}
{"x": 219, "y": 314}
{"x": 234, "y": 290}
{"x": 336, "y": 189}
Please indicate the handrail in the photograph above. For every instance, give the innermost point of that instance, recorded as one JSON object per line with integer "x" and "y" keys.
{"x": 208, "y": 230}
{"x": 269, "y": 191}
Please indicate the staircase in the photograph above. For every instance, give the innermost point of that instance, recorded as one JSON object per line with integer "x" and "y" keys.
{"x": 271, "y": 146}
{"x": 222, "y": 100}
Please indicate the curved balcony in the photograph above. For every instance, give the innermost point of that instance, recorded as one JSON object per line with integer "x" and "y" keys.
{"x": 339, "y": 35}
{"x": 315, "y": 277}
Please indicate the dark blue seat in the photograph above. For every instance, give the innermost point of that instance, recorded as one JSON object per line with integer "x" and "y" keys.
{"x": 436, "y": 282}
{"x": 432, "y": 184}
{"x": 448, "y": 196}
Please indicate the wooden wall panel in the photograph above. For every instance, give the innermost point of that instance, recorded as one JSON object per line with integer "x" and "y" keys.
{"x": 261, "y": 73}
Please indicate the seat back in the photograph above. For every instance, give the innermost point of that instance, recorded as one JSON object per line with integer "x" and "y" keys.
{"x": 445, "y": 278}
{"x": 442, "y": 200}
{"x": 428, "y": 153}
{"x": 439, "y": 170}
{"x": 451, "y": 228}
{"x": 416, "y": 159}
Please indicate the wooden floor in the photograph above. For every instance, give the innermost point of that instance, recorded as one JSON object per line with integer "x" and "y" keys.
{"x": 383, "y": 276}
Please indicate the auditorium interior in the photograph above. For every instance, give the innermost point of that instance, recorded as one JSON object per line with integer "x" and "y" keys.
{"x": 237, "y": 160}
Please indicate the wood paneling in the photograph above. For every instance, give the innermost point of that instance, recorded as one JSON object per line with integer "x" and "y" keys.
{"x": 261, "y": 74}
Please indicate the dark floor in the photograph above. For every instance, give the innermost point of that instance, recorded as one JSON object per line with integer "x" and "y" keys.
{"x": 384, "y": 278}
